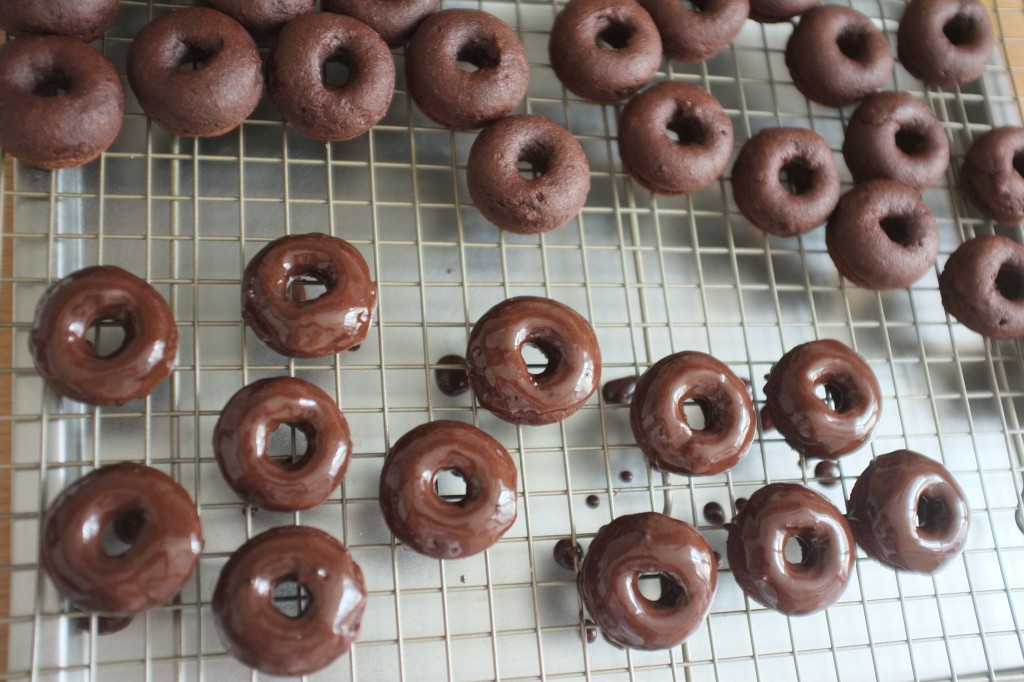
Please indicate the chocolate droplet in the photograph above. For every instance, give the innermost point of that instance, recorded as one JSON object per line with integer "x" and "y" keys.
{"x": 567, "y": 553}
{"x": 593, "y": 501}
{"x": 626, "y": 476}
{"x": 105, "y": 625}
{"x": 452, "y": 381}
{"x": 619, "y": 391}
{"x": 741, "y": 502}
{"x": 827, "y": 472}
{"x": 591, "y": 631}
{"x": 714, "y": 514}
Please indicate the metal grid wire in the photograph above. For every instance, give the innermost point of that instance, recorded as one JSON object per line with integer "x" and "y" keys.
{"x": 655, "y": 275}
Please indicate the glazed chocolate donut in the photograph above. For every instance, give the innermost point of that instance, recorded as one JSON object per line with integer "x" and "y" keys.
{"x": 992, "y": 177}
{"x": 695, "y": 36}
{"x": 907, "y": 511}
{"x": 642, "y": 544}
{"x": 668, "y": 166}
{"x": 263, "y": 17}
{"x": 945, "y": 42}
{"x": 896, "y": 136}
{"x": 774, "y": 11}
{"x": 164, "y": 547}
{"x": 461, "y": 99}
{"x": 513, "y": 202}
{"x": 82, "y": 19}
{"x": 982, "y": 286}
{"x": 263, "y": 637}
{"x": 394, "y": 20}
{"x": 500, "y": 378}
{"x": 295, "y": 76}
{"x": 242, "y": 436}
{"x": 808, "y": 423}
{"x": 64, "y": 355}
{"x": 810, "y": 169}
{"x": 336, "y": 321}
{"x": 662, "y": 430}
{"x": 758, "y": 535}
{"x": 837, "y": 56}
{"x": 882, "y": 235}
{"x": 63, "y": 103}
{"x": 604, "y": 50}
{"x": 417, "y": 514}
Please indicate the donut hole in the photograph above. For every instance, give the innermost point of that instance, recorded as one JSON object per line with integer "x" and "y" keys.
{"x": 1018, "y": 163}
{"x": 291, "y": 597}
{"x": 686, "y": 129}
{"x": 1010, "y": 282}
{"x": 306, "y": 287}
{"x": 450, "y": 485}
{"x": 896, "y": 228}
{"x": 537, "y": 356}
{"x": 615, "y": 35}
{"x": 796, "y": 176}
{"x": 696, "y": 412}
{"x": 799, "y": 551}
{"x": 119, "y": 536}
{"x": 289, "y": 445}
{"x": 660, "y": 590}
{"x": 959, "y": 30}
{"x": 53, "y": 83}
{"x": 832, "y": 395}
{"x": 695, "y": 6}
{"x": 196, "y": 56}
{"x": 106, "y": 337}
{"x": 478, "y": 54}
{"x": 853, "y": 43}
{"x": 533, "y": 162}
{"x": 911, "y": 140}
{"x": 336, "y": 71}
{"x": 933, "y": 516}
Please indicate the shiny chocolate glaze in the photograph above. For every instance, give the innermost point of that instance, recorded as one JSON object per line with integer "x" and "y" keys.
{"x": 261, "y": 636}
{"x": 242, "y": 437}
{"x": 907, "y": 511}
{"x": 567, "y": 553}
{"x": 641, "y": 544}
{"x": 499, "y": 375}
{"x": 662, "y": 430}
{"x": 452, "y": 381}
{"x": 808, "y": 424}
{"x": 105, "y": 625}
{"x": 420, "y": 518}
{"x": 757, "y": 541}
{"x": 161, "y": 557}
{"x": 620, "y": 391}
{"x": 336, "y": 321}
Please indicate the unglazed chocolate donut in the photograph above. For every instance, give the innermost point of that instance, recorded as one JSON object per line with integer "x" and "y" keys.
{"x": 336, "y": 321}
{"x": 64, "y": 355}
{"x": 992, "y": 177}
{"x": 757, "y": 542}
{"x": 164, "y": 545}
{"x": 665, "y": 435}
{"x": 260, "y": 635}
{"x": 982, "y": 286}
{"x": 394, "y": 20}
{"x": 642, "y": 544}
{"x": 694, "y": 36}
{"x": 774, "y": 11}
{"x": 82, "y": 19}
{"x": 242, "y": 436}
{"x": 63, "y": 103}
{"x": 431, "y": 525}
{"x": 808, "y": 423}
{"x": 263, "y": 17}
{"x": 498, "y": 373}
{"x": 945, "y": 42}
{"x": 907, "y": 511}
{"x": 668, "y": 166}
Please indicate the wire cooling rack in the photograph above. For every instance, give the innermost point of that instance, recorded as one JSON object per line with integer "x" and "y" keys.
{"x": 655, "y": 275}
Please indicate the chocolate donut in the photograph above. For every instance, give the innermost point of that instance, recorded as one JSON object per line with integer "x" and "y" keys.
{"x": 907, "y": 511}
{"x": 498, "y": 374}
{"x": 697, "y": 35}
{"x": 63, "y": 103}
{"x": 82, "y": 19}
{"x": 64, "y": 355}
{"x": 896, "y": 136}
{"x": 982, "y": 286}
{"x": 774, "y": 11}
{"x": 643, "y": 544}
{"x": 604, "y": 50}
{"x": 295, "y": 76}
{"x": 336, "y": 321}
{"x": 882, "y": 235}
{"x": 263, "y": 637}
{"x": 837, "y": 55}
{"x": 263, "y": 17}
{"x": 812, "y": 189}
{"x": 417, "y": 514}
{"x": 810, "y": 425}
{"x": 992, "y": 177}
{"x": 664, "y": 165}
{"x": 759, "y": 533}
{"x": 163, "y": 549}
{"x": 242, "y": 436}
{"x": 447, "y": 93}
{"x": 513, "y": 202}
{"x": 394, "y": 20}
{"x": 662, "y": 430}
{"x": 945, "y": 42}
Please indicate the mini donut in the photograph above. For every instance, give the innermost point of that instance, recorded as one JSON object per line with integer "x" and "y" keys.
{"x": 774, "y": 11}
{"x": 500, "y": 378}
{"x": 808, "y": 423}
{"x": 259, "y": 634}
{"x": 662, "y": 430}
{"x": 163, "y": 550}
{"x": 430, "y": 524}
{"x": 518, "y": 204}
{"x": 992, "y": 177}
{"x": 695, "y": 36}
{"x": 945, "y": 42}
{"x": 982, "y": 286}
{"x": 665, "y": 165}
{"x": 81, "y": 19}
{"x": 896, "y": 136}
{"x": 63, "y": 103}
{"x": 882, "y": 235}
{"x": 447, "y": 93}
{"x": 394, "y": 20}
{"x": 263, "y": 17}
{"x": 295, "y": 76}
{"x": 604, "y": 50}
{"x": 241, "y": 439}
{"x": 837, "y": 56}
{"x": 336, "y": 321}
{"x": 810, "y": 168}
{"x": 758, "y": 535}
{"x": 643, "y": 544}
{"x": 64, "y": 355}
